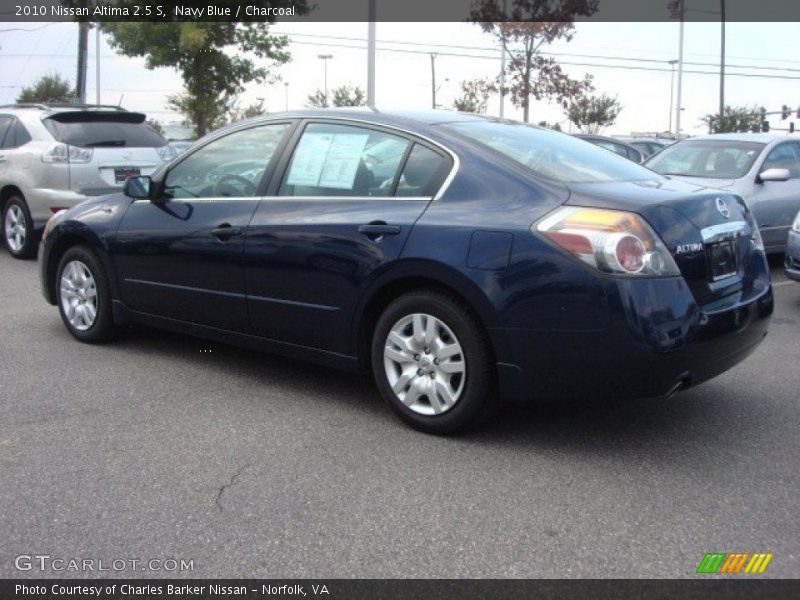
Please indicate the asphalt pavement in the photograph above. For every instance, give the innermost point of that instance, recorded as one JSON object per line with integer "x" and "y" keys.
{"x": 160, "y": 446}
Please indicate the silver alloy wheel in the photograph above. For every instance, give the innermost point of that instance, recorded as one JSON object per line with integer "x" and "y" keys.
{"x": 424, "y": 364}
{"x": 78, "y": 295}
{"x": 15, "y": 228}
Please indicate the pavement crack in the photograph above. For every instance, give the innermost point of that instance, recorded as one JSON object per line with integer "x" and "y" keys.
{"x": 231, "y": 482}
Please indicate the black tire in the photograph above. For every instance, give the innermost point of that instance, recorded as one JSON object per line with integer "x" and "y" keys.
{"x": 103, "y": 328}
{"x": 477, "y": 398}
{"x": 28, "y": 248}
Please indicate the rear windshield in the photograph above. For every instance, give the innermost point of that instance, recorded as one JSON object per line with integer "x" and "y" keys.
{"x": 715, "y": 159}
{"x": 550, "y": 154}
{"x": 92, "y": 130}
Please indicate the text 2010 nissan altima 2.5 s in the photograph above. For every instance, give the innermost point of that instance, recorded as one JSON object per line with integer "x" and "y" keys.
{"x": 463, "y": 260}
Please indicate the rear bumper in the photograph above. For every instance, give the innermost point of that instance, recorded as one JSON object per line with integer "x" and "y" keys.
{"x": 658, "y": 340}
{"x": 793, "y": 256}
{"x": 43, "y": 202}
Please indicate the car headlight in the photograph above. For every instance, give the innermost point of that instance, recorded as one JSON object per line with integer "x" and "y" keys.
{"x": 51, "y": 222}
{"x": 611, "y": 241}
{"x": 796, "y": 224}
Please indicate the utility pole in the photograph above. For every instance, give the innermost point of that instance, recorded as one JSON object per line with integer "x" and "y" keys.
{"x": 97, "y": 64}
{"x": 680, "y": 72}
{"x": 671, "y": 91}
{"x": 433, "y": 80}
{"x": 371, "y": 55}
{"x": 722, "y": 60}
{"x": 83, "y": 53}
{"x": 324, "y": 58}
{"x": 503, "y": 69}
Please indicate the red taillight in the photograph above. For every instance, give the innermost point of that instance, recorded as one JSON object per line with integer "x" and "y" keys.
{"x": 577, "y": 244}
{"x": 55, "y": 209}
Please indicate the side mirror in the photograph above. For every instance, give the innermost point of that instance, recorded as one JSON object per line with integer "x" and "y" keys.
{"x": 137, "y": 187}
{"x": 774, "y": 175}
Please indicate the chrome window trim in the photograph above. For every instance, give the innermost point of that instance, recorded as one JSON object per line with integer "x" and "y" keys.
{"x": 290, "y": 198}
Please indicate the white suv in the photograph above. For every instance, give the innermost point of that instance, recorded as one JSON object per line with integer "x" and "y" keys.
{"x": 54, "y": 157}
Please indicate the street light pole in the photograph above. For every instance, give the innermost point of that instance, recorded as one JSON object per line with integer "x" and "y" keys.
{"x": 371, "y": 54}
{"x": 671, "y": 91}
{"x": 324, "y": 58}
{"x": 97, "y": 63}
{"x": 433, "y": 80}
{"x": 680, "y": 72}
{"x": 722, "y": 60}
{"x": 286, "y": 87}
{"x": 503, "y": 69}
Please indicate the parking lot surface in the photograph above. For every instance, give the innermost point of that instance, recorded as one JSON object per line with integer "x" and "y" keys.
{"x": 163, "y": 446}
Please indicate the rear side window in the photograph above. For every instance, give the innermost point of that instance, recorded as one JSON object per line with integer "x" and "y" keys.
{"x": 16, "y": 136}
{"x": 90, "y": 130}
{"x": 343, "y": 160}
{"x": 423, "y": 173}
{"x": 5, "y": 125}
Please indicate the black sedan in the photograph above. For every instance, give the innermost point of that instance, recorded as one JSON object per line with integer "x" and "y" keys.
{"x": 613, "y": 145}
{"x": 463, "y": 261}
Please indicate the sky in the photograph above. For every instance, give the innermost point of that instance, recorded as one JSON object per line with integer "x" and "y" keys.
{"x": 463, "y": 51}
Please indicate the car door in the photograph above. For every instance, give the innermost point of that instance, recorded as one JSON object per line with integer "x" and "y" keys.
{"x": 776, "y": 203}
{"x": 6, "y": 131}
{"x": 348, "y": 198}
{"x": 181, "y": 256}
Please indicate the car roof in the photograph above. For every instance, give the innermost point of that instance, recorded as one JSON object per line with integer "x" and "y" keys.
{"x": 763, "y": 138}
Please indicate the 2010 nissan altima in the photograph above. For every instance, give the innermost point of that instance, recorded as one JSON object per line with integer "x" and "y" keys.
{"x": 463, "y": 260}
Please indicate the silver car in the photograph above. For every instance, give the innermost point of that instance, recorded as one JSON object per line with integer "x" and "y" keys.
{"x": 54, "y": 157}
{"x": 762, "y": 168}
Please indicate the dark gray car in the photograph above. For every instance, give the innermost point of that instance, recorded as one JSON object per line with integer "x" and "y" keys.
{"x": 762, "y": 168}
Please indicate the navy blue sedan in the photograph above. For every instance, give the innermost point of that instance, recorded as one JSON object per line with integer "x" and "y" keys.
{"x": 464, "y": 261}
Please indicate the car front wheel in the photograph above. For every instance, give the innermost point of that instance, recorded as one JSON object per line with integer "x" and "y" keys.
{"x": 432, "y": 363}
{"x": 84, "y": 300}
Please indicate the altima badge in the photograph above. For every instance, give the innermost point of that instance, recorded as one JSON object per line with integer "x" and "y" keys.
{"x": 723, "y": 208}
{"x": 687, "y": 248}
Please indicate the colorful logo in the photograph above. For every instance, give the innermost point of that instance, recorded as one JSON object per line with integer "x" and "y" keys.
{"x": 734, "y": 562}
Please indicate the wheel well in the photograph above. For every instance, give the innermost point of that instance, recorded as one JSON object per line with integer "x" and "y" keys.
{"x": 7, "y": 192}
{"x": 391, "y": 291}
{"x": 64, "y": 243}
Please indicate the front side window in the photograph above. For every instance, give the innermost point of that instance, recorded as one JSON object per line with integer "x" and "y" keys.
{"x": 231, "y": 166}
{"x": 551, "y": 155}
{"x": 785, "y": 156}
{"x": 715, "y": 159}
{"x": 343, "y": 160}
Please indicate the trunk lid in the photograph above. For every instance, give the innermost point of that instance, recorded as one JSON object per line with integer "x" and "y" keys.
{"x": 710, "y": 233}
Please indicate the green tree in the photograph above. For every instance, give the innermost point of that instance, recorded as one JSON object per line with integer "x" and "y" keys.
{"x": 591, "y": 113}
{"x": 50, "y": 88}
{"x": 735, "y": 119}
{"x": 344, "y": 95}
{"x": 215, "y": 59}
{"x": 554, "y": 126}
{"x": 524, "y": 32}
{"x": 474, "y": 96}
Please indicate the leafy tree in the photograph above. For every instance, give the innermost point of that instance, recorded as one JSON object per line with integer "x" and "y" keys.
{"x": 735, "y": 119}
{"x": 50, "y": 88}
{"x": 215, "y": 59}
{"x": 344, "y": 95}
{"x": 348, "y": 95}
{"x": 592, "y": 113}
{"x": 554, "y": 126}
{"x": 524, "y": 32}
{"x": 474, "y": 96}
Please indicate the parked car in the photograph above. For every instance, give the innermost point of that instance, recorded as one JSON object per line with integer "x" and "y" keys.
{"x": 494, "y": 261}
{"x": 180, "y": 137}
{"x": 647, "y": 146}
{"x": 613, "y": 145}
{"x": 793, "y": 251}
{"x": 54, "y": 157}
{"x": 764, "y": 169}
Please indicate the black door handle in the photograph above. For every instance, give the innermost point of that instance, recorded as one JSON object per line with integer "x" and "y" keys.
{"x": 378, "y": 229}
{"x": 226, "y": 231}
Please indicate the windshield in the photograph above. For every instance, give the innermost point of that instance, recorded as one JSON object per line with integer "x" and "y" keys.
{"x": 103, "y": 130}
{"x": 714, "y": 159}
{"x": 178, "y": 133}
{"x": 550, "y": 154}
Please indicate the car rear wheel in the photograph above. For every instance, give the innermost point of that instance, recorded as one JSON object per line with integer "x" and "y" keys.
{"x": 18, "y": 234}
{"x": 84, "y": 300}
{"x": 432, "y": 364}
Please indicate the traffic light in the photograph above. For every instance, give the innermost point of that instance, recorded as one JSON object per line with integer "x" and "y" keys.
{"x": 765, "y": 126}
{"x": 798, "y": 112}
{"x": 784, "y": 112}
{"x": 791, "y": 127}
